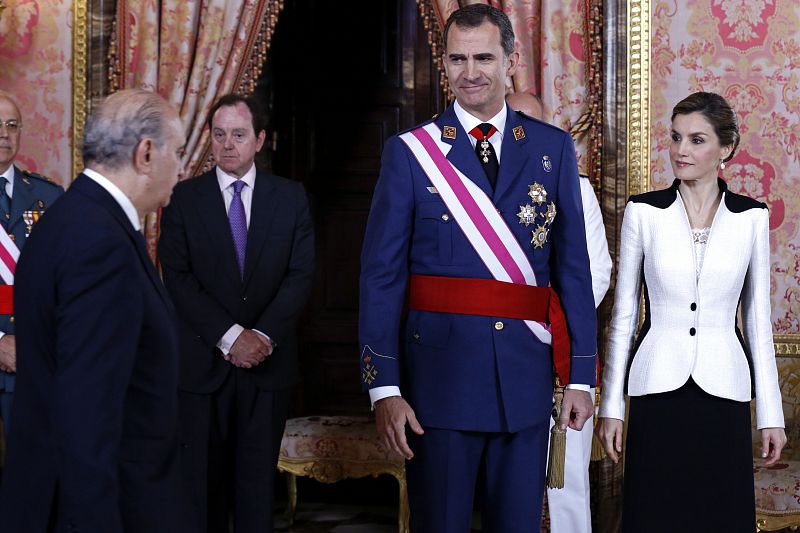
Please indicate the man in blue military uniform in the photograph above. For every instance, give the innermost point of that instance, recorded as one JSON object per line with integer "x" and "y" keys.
{"x": 477, "y": 224}
{"x": 24, "y": 196}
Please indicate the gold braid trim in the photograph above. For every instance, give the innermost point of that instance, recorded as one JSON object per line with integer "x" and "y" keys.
{"x": 595, "y": 88}
{"x": 591, "y": 121}
{"x": 114, "y": 60}
{"x": 247, "y": 78}
{"x": 432, "y": 22}
{"x": 258, "y": 43}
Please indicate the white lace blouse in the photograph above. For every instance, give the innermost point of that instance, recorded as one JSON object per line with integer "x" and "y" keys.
{"x": 700, "y": 237}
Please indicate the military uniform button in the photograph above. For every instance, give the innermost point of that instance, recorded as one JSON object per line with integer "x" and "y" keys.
{"x": 445, "y": 217}
{"x": 11, "y": 320}
{"x": 499, "y": 325}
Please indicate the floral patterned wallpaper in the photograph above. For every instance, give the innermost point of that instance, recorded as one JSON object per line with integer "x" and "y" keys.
{"x": 749, "y": 52}
{"x": 36, "y": 68}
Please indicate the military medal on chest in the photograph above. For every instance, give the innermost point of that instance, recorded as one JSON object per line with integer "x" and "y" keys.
{"x": 538, "y": 193}
{"x": 549, "y": 215}
{"x": 30, "y": 217}
{"x": 540, "y": 234}
{"x": 528, "y": 214}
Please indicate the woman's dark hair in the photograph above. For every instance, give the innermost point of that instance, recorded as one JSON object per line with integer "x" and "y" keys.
{"x": 719, "y": 114}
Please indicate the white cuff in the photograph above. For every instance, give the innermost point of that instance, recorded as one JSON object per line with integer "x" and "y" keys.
{"x": 579, "y": 386}
{"x": 379, "y": 393}
{"x": 229, "y": 338}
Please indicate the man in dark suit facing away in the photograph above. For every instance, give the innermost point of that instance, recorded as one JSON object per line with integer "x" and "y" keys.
{"x": 96, "y": 439}
{"x": 237, "y": 255}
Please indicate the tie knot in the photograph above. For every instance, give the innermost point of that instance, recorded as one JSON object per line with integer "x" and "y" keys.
{"x": 483, "y": 131}
{"x": 238, "y": 185}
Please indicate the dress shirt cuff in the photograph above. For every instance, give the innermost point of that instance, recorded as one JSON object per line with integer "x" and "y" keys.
{"x": 272, "y": 342}
{"x": 227, "y": 340}
{"x": 379, "y": 393}
{"x": 2, "y": 334}
{"x": 579, "y": 386}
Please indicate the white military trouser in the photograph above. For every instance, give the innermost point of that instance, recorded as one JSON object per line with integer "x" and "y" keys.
{"x": 569, "y": 507}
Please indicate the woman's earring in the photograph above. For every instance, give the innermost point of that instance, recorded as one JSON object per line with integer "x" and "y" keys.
{"x": 721, "y": 164}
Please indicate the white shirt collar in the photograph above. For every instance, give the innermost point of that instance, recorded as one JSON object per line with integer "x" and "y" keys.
{"x": 225, "y": 180}
{"x": 469, "y": 121}
{"x": 123, "y": 201}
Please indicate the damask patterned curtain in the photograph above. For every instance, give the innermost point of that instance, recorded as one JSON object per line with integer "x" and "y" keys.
{"x": 559, "y": 42}
{"x": 191, "y": 53}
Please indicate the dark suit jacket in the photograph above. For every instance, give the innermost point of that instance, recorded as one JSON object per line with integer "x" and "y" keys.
{"x": 32, "y": 196}
{"x": 198, "y": 261}
{"x": 95, "y": 443}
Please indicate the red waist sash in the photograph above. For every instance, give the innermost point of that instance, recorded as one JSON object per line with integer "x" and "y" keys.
{"x": 489, "y": 297}
{"x": 6, "y": 299}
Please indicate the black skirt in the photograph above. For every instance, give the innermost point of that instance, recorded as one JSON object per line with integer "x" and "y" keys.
{"x": 688, "y": 464}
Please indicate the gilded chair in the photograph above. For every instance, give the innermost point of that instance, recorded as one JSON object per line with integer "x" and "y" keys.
{"x": 332, "y": 448}
{"x": 777, "y": 488}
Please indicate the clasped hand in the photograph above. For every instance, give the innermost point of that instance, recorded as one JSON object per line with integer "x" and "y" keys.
{"x": 249, "y": 350}
{"x": 8, "y": 354}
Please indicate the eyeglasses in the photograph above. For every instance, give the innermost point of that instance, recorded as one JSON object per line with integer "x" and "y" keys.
{"x": 11, "y": 125}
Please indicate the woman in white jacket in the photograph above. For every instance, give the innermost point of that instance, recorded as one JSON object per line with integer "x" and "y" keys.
{"x": 695, "y": 252}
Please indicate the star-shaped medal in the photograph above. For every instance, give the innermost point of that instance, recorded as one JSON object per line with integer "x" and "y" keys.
{"x": 538, "y": 193}
{"x": 539, "y": 236}
{"x": 527, "y": 215}
{"x": 550, "y": 214}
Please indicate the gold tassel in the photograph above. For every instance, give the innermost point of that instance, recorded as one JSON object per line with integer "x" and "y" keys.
{"x": 558, "y": 446}
{"x": 597, "y": 447}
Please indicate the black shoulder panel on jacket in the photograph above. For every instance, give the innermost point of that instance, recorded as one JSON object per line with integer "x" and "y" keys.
{"x": 661, "y": 199}
{"x": 738, "y": 203}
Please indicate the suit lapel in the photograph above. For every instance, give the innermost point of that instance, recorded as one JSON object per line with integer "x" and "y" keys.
{"x": 211, "y": 210}
{"x": 262, "y": 214}
{"x": 462, "y": 154}
{"x": 94, "y": 191}
{"x": 513, "y": 157}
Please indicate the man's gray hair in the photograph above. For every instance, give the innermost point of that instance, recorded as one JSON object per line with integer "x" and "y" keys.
{"x": 120, "y": 123}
